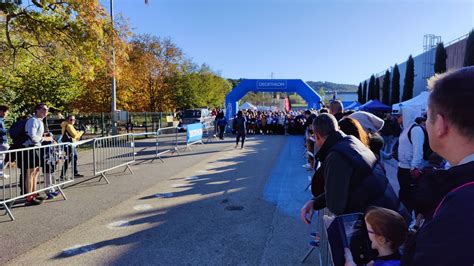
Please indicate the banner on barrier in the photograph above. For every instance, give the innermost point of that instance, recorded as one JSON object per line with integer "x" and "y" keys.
{"x": 194, "y": 133}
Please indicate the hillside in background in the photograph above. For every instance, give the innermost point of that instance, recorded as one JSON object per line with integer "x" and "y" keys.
{"x": 329, "y": 86}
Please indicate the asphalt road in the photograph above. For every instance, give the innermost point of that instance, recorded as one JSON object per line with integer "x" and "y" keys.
{"x": 213, "y": 205}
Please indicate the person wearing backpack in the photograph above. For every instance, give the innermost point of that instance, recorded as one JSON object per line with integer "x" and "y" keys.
{"x": 3, "y": 139}
{"x": 410, "y": 156}
{"x": 447, "y": 235}
{"x": 30, "y": 159}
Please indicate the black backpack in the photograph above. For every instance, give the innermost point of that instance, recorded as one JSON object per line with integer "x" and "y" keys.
{"x": 427, "y": 151}
{"x": 18, "y": 133}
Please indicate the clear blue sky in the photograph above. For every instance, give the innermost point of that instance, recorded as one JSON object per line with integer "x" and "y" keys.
{"x": 338, "y": 41}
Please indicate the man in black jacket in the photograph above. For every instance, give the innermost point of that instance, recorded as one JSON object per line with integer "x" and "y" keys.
{"x": 447, "y": 235}
{"x": 347, "y": 169}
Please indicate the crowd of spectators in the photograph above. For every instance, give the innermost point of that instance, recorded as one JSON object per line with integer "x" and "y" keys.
{"x": 273, "y": 122}
{"x": 28, "y": 132}
{"x": 262, "y": 123}
{"x": 430, "y": 221}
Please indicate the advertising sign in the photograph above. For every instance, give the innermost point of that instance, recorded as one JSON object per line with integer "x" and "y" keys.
{"x": 194, "y": 133}
{"x": 271, "y": 84}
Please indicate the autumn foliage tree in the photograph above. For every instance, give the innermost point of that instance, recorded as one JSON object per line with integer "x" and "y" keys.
{"x": 53, "y": 48}
{"x": 59, "y": 52}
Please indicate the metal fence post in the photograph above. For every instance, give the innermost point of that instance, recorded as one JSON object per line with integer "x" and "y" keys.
{"x": 161, "y": 118}
{"x": 103, "y": 123}
{"x": 94, "y": 161}
{"x": 133, "y": 146}
{"x": 146, "y": 124}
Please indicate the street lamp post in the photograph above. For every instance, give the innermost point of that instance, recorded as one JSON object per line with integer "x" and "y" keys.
{"x": 114, "y": 90}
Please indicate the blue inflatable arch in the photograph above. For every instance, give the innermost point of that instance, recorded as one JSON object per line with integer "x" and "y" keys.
{"x": 270, "y": 85}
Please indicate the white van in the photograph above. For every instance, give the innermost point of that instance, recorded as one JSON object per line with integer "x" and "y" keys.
{"x": 192, "y": 116}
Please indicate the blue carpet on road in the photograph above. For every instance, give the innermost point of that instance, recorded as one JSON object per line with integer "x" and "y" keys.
{"x": 286, "y": 184}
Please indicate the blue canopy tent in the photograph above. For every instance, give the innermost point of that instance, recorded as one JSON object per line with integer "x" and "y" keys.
{"x": 374, "y": 105}
{"x": 352, "y": 106}
{"x": 270, "y": 85}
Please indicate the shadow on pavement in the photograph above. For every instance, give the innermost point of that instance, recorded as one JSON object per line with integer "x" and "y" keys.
{"x": 231, "y": 225}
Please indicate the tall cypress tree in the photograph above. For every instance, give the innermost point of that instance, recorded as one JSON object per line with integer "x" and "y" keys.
{"x": 440, "y": 59}
{"x": 409, "y": 80}
{"x": 364, "y": 93}
{"x": 395, "y": 98}
{"x": 469, "y": 55}
{"x": 386, "y": 88}
{"x": 377, "y": 89}
{"x": 360, "y": 94}
{"x": 371, "y": 93}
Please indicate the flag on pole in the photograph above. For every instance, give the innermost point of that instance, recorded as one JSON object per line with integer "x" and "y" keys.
{"x": 287, "y": 104}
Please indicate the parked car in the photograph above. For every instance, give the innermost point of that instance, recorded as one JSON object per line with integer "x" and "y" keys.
{"x": 191, "y": 116}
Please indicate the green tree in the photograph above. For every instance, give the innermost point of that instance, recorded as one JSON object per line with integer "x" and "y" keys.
{"x": 395, "y": 97}
{"x": 409, "y": 80}
{"x": 371, "y": 93}
{"x": 45, "y": 83}
{"x": 386, "y": 88}
{"x": 50, "y": 50}
{"x": 364, "y": 95}
{"x": 440, "y": 59}
{"x": 79, "y": 31}
{"x": 360, "y": 94}
{"x": 377, "y": 89}
{"x": 469, "y": 54}
{"x": 199, "y": 87}
{"x": 322, "y": 94}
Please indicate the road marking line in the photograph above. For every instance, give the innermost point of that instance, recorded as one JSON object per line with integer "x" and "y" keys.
{"x": 142, "y": 207}
{"x": 118, "y": 224}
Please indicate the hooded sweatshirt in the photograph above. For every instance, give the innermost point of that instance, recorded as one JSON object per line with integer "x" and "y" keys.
{"x": 410, "y": 154}
{"x": 370, "y": 122}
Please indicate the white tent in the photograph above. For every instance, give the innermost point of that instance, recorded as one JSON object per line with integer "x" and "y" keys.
{"x": 266, "y": 108}
{"x": 247, "y": 106}
{"x": 419, "y": 102}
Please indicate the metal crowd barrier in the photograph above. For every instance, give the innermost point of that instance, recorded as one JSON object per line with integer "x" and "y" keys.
{"x": 113, "y": 152}
{"x": 139, "y": 148}
{"x": 325, "y": 256}
{"x": 167, "y": 141}
{"x": 208, "y": 131}
{"x": 51, "y": 166}
{"x": 324, "y": 248}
